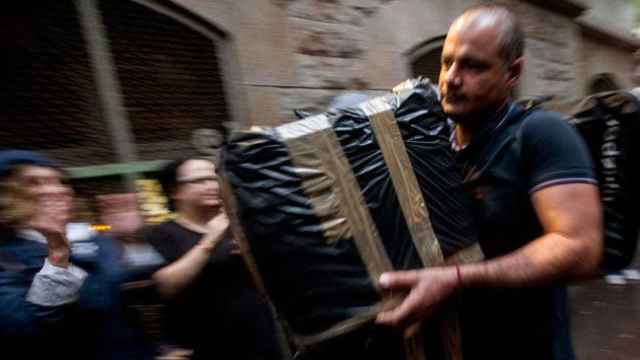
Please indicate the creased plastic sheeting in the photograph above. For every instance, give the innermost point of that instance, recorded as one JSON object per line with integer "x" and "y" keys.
{"x": 609, "y": 123}
{"x": 414, "y": 209}
{"x": 422, "y": 127}
{"x": 296, "y": 217}
{"x": 313, "y": 282}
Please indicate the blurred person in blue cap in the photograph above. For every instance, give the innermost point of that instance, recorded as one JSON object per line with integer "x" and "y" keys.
{"x": 58, "y": 298}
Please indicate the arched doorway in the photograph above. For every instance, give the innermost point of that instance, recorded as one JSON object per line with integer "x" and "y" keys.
{"x": 425, "y": 59}
{"x": 602, "y": 83}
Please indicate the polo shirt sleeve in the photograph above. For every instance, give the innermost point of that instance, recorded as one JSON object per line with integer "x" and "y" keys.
{"x": 554, "y": 152}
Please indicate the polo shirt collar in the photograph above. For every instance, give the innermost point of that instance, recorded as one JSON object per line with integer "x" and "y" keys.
{"x": 480, "y": 139}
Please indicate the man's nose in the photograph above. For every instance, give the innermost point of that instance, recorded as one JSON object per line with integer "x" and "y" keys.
{"x": 452, "y": 76}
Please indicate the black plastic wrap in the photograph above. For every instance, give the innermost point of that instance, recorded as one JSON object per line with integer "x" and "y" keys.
{"x": 316, "y": 282}
{"x": 609, "y": 123}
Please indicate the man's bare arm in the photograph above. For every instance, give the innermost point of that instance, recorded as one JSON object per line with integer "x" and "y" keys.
{"x": 571, "y": 217}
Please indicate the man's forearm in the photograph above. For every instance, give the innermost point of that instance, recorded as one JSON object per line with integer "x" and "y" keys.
{"x": 550, "y": 258}
{"x": 571, "y": 217}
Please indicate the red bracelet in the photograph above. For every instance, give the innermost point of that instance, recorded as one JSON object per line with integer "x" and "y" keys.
{"x": 459, "y": 275}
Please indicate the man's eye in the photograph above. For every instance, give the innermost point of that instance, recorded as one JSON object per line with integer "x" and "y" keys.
{"x": 475, "y": 66}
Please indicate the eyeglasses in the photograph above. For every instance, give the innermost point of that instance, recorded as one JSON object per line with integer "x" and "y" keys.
{"x": 198, "y": 180}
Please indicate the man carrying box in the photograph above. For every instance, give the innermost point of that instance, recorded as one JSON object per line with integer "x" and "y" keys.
{"x": 535, "y": 198}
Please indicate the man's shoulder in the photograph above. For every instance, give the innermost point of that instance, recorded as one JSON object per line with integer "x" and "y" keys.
{"x": 540, "y": 124}
{"x": 539, "y": 117}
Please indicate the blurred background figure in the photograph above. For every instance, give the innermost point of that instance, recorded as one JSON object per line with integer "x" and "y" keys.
{"x": 120, "y": 214}
{"x": 630, "y": 273}
{"x": 143, "y": 308}
{"x": 635, "y": 74}
{"x": 213, "y": 305}
{"x": 59, "y": 293}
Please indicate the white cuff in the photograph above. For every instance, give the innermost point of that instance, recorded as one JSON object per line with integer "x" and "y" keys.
{"x": 55, "y": 286}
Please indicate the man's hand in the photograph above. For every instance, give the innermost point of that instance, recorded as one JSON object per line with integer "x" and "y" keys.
{"x": 427, "y": 289}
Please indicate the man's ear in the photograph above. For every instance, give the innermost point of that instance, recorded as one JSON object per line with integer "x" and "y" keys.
{"x": 514, "y": 72}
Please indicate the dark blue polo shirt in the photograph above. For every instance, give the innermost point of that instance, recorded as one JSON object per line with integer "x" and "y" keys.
{"x": 516, "y": 154}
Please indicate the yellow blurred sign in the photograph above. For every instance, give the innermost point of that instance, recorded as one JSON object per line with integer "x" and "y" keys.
{"x": 153, "y": 203}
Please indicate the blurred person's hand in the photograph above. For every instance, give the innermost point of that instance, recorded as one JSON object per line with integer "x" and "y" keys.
{"x": 219, "y": 225}
{"x": 217, "y": 228}
{"x": 50, "y": 219}
{"x": 120, "y": 211}
{"x": 175, "y": 354}
{"x": 124, "y": 223}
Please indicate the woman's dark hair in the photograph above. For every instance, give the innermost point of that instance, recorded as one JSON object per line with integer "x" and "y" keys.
{"x": 168, "y": 178}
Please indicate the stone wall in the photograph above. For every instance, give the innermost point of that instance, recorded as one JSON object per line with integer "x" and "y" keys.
{"x": 328, "y": 40}
{"x": 299, "y": 54}
{"x": 552, "y": 51}
{"x": 600, "y": 58}
{"x": 618, "y": 14}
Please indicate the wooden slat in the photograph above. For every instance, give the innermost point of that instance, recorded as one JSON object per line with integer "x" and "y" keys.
{"x": 412, "y": 203}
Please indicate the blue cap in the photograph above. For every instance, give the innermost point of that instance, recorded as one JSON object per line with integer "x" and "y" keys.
{"x": 11, "y": 158}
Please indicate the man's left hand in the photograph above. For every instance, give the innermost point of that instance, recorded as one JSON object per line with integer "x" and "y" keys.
{"x": 427, "y": 288}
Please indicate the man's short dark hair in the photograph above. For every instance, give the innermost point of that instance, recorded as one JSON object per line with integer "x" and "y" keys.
{"x": 512, "y": 37}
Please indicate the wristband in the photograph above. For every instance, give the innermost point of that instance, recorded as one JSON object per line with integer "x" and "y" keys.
{"x": 459, "y": 275}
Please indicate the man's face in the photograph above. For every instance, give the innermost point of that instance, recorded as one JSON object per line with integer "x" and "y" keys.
{"x": 45, "y": 185}
{"x": 474, "y": 78}
{"x": 197, "y": 184}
